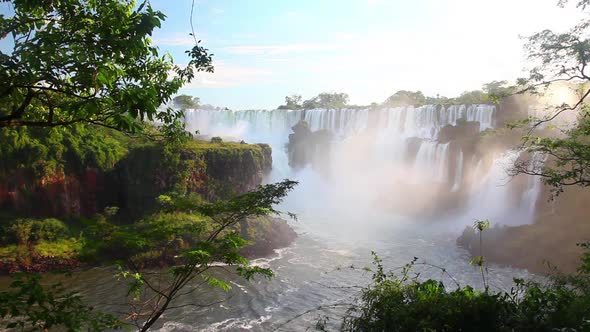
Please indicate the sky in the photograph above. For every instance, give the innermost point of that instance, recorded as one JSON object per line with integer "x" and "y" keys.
{"x": 267, "y": 49}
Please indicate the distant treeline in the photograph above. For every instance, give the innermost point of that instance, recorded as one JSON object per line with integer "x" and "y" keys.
{"x": 490, "y": 93}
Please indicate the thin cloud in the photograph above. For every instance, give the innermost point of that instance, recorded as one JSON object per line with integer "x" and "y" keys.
{"x": 280, "y": 49}
{"x": 175, "y": 40}
{"x": 228, "y": 75}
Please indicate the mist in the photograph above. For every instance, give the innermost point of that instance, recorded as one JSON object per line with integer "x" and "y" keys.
{"x": 387, "y": 166}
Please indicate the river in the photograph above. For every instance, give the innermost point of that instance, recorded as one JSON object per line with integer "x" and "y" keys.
{"x": 344, "y": 213}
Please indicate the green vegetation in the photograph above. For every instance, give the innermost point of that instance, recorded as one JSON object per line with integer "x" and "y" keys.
{"x": 168, "y": 235}
{"x": 293, "y": 102}
{"x": 24, "y": 231}
{"x": 491, "y": 93}
{"x": 75, "y": 61}
{"x": 327, "y": 100}
{"x": 216, "y": 139}
{"x": 187, "y": 234}
{"x": 38, "y": 164}
{"x": 201, "y": 246}
{"x": 323, "y": 100}
{"x": 186, "y": 102}
{"x": 403, "y": 98}
{"x": 38, "y": 153}
{"x": 559, "y": 57}
{"x": 213, "y": 170}
{"x": 31, "y": 307}
{"x": 72, "y": 82}
{"x": 76, "y": 66}
{"x": 406, "y": 303}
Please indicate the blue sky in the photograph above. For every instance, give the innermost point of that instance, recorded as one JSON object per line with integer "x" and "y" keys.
{"x": 369, "y": 49}
{"x": 267, "y": 49}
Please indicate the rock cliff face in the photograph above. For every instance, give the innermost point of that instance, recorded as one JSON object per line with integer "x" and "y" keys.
{"x": 560, "y": 224}
{"x": 308, "y": 147}
{"x": 213, "y": 170}
{"x": 56, "y": 195}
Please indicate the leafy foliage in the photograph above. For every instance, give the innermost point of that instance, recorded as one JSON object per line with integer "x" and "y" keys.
{"x": 404, "y": 98}
{"x": 293, "y": 102}
{"x": 186, "y": 102}
{"x": 31, "y": 307}
{"x": 561, "y": 159}
{"x": 195, "y": 247}
{"x": 24, "y": 231}
{"x": 188, "y": 235}
{"x": 326, "y": 100}
{"x": 41, "y": 152}
{"x": 89, "y": 61}
{"x": 406, "y": 303}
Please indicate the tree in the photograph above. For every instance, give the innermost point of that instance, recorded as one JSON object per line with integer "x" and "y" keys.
{"x": 404, "y": 301}
{"x": 31, "y": 307}
{"x": 561, "y": 159}
{"x": 327, "y": 100}
{"x": 89, "y": 61}
{"x": 495, "y": 87}
{"x": 438, "y": 100}
{"x": 333, "y": 100}
{"x": 293, "y": 102}
{"x": 186, "y": 102}
{"x": 472, "y": 97}
{"x": 310, "y": 104}
{"x": 405, "y": 98}
{"x": 190, "y": 235}
{"x": 153, "y": 293}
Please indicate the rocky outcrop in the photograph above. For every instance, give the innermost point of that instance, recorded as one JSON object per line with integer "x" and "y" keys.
{"x": 306, "y": 146}
{"x": 56, "y": 195}
{"x": 514, "y": 108}
{"x": 463, "y": 130}
{"x": 213, "y": 170}
{"x": 560, "y": 224}
{"x": 266, "y": 235}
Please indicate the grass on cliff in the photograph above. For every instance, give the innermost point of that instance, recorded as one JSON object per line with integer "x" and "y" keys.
{"x": 41, "y": 153}
{"x": 204, "y": 146}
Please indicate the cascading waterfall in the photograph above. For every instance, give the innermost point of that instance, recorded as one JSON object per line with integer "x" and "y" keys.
{"x": 432, "y": 160}
{"x": 458, "y": 172}
{"x": 424, "y": 122}
{"x": 371, "y": 147}
{"x": 495, "y": 198}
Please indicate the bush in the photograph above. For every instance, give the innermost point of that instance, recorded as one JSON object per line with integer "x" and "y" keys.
{"x": 65, "y": 248}
{"x": 405, "y": 303}
{"x": 20, "y": 231}
{"x": 216, "y": 139}
{"x": 23, "y": 231}
{"x": 49, "y": 229}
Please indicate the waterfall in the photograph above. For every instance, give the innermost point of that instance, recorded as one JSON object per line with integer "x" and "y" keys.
{"x": 458, "y": 172}
{"x": 375, "y": 153}
{"x": 432, "y": 161}
{"x": 426, "y": 121}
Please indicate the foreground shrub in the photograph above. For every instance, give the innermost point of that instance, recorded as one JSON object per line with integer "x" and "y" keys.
{"x": 28, "y": 306}
{"x": 404, "y": 303}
